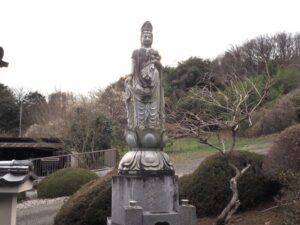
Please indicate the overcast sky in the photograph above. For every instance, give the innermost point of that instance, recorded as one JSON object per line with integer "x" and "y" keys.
{"x": 81, "y": 45}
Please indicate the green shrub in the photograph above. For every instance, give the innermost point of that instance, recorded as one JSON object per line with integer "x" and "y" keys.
{"x": 284, "y": 155}
{"x": 208, "y": 186}
{"x": 89, "y": 205}
{"x": 21, "y": 196}
{"x": 64, "y": 182}
{"x": 286, "y": 80}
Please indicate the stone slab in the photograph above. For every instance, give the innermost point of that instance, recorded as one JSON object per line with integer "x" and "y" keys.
{"x": 133, "y": 215}
{"x": 153, "y": 194}
{"x": 188, "y": 215}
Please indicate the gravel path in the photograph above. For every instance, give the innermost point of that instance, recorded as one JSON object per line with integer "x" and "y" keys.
{"x": 38, "y": 212}
{"x": 187, "y": 166}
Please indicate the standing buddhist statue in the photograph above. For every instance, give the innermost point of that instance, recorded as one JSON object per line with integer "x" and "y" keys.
{"x": 145, "y": 111}
{"x": 145, "y": 192}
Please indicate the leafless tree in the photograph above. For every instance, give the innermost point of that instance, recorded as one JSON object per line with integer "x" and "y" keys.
{"x": 233, "y": 106}
{"x": 55, "y": 116}
{"x": 279, "y": 50}
{"x": 110, "y": 102}
{"x": 20, "y": 94}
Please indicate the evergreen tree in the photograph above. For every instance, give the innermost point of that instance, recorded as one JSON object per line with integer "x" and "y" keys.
{"x": 9, "y": 111}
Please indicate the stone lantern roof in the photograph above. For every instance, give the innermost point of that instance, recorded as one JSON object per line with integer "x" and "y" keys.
{"x": 16, "y": 172}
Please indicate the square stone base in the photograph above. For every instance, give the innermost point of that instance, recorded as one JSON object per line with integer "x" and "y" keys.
{"x": 152, "y": 200}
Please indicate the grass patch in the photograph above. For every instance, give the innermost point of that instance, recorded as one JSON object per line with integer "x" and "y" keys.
{"x": 191, "y": 148}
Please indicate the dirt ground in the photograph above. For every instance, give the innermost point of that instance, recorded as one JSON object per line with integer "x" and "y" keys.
{"x": 260, "y": 215}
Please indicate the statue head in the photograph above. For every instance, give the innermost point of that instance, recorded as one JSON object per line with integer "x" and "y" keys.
{"x": 146, "y": 34}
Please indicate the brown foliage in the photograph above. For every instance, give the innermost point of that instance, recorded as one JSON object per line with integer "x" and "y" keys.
{"x": 276, "y": 118}
{"x": 291, "y": 198}
{"x": 284, "y": 155}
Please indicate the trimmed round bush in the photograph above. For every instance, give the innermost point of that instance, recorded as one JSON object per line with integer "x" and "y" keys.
{"x": 282, "y": 113}
{"x": 89, "y": 205}
{"x": 64, "y": 182}
{"x": 283, "y": 164}
{"x": 284, "y": 155}
{"x": 291, "y": 195}
{"x": 208, "y": 187}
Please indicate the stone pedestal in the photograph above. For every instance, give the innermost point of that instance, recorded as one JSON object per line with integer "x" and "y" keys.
{"x": 148, "y": 200}
{"x": 8, "y": 206}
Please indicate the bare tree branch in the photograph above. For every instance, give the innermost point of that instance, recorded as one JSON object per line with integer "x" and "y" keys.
{"x": 232, "y": 107}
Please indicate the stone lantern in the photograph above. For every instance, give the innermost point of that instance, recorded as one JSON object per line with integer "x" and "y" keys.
{"x": 15, "y": 177}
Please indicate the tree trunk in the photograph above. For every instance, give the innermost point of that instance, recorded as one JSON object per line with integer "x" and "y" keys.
{"x": 234, "y": 203}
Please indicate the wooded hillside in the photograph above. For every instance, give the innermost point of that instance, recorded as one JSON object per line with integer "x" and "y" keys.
{"x": 83, "y": 120}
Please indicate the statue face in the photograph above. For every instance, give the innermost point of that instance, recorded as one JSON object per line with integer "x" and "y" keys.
{"x": 146, "y": 39}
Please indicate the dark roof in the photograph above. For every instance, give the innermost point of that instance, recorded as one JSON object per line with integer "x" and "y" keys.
{"x": 15, "y": 172}
{"x": 31, "y": 145}
{"x": 29, "y": 139}
{"x": 42, "y": 143}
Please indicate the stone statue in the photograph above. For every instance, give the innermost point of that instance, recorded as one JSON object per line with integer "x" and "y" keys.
{"x": 145, "y": 192}
{"x": 145, "y": 109}
{"x": 2, "y": 63}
